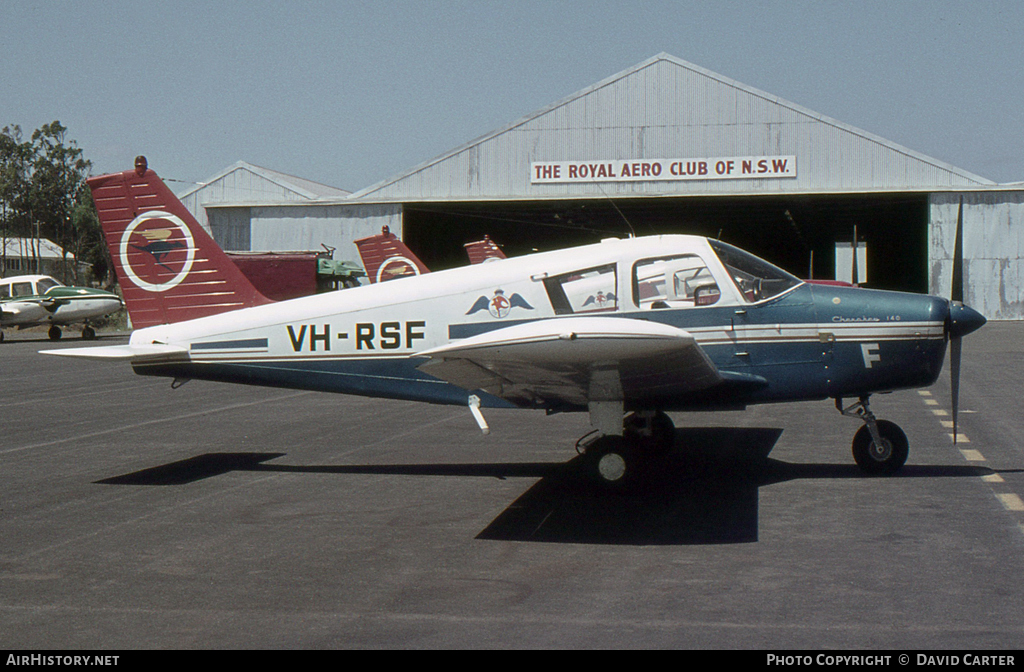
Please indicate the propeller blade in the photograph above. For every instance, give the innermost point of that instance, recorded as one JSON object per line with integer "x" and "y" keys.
{"x": 957, "y": 293}
{"x": 957, "y": 298}
{"x": 954, "y": 380}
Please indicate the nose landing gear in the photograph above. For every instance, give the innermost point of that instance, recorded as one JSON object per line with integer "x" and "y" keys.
{"x": 879, "y": 447}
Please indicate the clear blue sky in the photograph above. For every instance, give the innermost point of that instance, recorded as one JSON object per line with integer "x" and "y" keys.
{"x": 349, "y": 93}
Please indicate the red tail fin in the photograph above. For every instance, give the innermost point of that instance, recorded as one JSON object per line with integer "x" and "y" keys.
{"x": 482, "y": 250}
{"x": 385, "y": 257}
{"x": 169, "y": 268}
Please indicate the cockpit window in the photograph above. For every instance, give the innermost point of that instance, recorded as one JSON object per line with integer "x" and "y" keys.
{"x": 45, "y": 284}
{"x": 756, "y": 279}
{"x": 669, "y": 282}
{"x": 21, "y": 289}
{"x": 587, "y": 291}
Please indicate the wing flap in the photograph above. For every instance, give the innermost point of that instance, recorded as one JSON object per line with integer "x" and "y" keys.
{"x": 576, "y": 360}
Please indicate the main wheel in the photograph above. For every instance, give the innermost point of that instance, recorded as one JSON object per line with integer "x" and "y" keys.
{"x": 655, "y": 433}
{"x": 88, "y": 333}
{"x": 612, "y": 462}
{"x": 54, "y": 333}
{"x": 886, "y": 458}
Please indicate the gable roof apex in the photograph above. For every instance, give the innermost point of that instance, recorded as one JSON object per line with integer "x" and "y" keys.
{"x": 301, "y": 187}
{"x": 893, "y": 148}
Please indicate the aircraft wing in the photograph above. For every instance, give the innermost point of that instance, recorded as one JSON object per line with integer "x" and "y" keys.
{"x": 573, "y": 361}
{"x": 134, "y": 353}
{"x": 15, "y": 309}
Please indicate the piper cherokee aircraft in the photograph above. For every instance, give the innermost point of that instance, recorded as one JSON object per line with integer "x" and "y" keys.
{"x": 624, "y": 330}
{"x": 30, "y": 300}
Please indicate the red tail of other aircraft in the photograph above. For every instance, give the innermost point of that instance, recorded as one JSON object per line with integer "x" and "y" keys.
{"x": 385, "y": 257}
{"x": 483, "y": 250}
{"x": 168, "y": 267}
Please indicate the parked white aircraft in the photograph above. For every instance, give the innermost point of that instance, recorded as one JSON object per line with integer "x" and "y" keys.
{"x": 624, "y": 330}
{"x": 31, "y": 300}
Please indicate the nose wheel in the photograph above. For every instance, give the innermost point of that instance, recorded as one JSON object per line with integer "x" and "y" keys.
{"x": 879, "y": 447}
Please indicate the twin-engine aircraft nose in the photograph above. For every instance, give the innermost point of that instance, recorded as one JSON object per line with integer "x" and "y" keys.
{"x": 963, "y": 320}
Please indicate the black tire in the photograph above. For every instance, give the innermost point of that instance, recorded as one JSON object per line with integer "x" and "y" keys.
{"x": 885, "y": 459}
{"x": 659, "y": 440}
{"x": 88, "y": 333}
{"x": 54, "y": 333}
{"x": 612, "y": 463}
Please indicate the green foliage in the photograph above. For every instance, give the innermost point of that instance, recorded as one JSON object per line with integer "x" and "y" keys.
{"x": 43, "y": 193}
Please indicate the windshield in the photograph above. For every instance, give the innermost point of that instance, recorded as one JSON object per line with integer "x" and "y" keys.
{"x": 756, "y": 279}
{"x": 45, "y": 284}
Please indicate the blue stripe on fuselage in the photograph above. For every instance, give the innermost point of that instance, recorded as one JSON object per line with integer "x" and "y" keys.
{"x": 758, "y": 340}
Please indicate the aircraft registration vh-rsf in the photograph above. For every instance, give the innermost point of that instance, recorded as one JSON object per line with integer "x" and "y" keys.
{"x": 624, "y": 330}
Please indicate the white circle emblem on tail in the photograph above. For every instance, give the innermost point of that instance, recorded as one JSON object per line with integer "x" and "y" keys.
{"x": 165, "y": 236}
{"x": 404, "y": 267}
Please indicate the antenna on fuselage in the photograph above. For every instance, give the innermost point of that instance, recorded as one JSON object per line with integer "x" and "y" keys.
{"x": 631, "y": 229}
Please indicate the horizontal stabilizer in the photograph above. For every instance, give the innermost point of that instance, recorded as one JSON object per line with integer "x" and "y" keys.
{"x": 134, "y": 353}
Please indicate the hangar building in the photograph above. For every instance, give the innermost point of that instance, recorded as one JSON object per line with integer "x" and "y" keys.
{"x": 663, "y": 147}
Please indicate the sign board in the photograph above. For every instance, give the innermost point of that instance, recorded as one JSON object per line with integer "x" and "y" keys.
{"x": 664, "y": 170}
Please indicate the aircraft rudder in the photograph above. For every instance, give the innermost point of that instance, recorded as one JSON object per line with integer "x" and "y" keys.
{"x": 386, "y": 257}
{"x": 168, "y": 266}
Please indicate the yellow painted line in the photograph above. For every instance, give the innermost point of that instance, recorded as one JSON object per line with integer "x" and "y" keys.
{"x": 924, "y": 393}
{"x": 931, "y": 402}
{"x": 948, "y": 424}
{"x": 972, "y": 455}
{"x": 960, "y": 438}
{"x": 993, "y": 478}
{"x": 939, "y": 412}
{"x": 1010, "y": 501}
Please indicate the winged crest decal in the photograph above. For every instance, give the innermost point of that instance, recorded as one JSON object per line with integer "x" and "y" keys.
{"x": 499, "y": 305}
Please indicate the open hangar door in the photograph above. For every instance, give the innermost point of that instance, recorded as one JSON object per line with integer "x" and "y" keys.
{"x": 798, "y": 233}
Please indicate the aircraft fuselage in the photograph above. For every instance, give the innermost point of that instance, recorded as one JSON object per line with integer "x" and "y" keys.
{"x": 800, "y": 343}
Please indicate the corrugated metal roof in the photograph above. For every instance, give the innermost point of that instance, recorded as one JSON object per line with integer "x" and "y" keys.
{"x": 27, "y": 247}
{"x": 666, "y": 108}
{"x": 245, "y": 185}
{"x": 247, "y": 182}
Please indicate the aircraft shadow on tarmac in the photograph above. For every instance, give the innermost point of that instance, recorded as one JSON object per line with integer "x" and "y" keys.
{"x": 705, "y": 491}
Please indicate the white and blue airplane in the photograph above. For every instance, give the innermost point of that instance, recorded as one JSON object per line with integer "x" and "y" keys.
{"x": 625, "y": 330}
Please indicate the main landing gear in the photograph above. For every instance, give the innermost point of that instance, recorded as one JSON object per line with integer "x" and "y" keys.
{"x": 88, "y": 333}
{"x": 879, "y": 447}
{"x": 619, "y": 461}
{"x": 627, "y": 450}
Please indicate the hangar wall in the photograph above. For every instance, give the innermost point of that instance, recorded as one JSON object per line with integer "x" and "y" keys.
{"x": 247, "y": 208}
{"x": 993, "y": 250}
{"x": 282, "y": 228}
